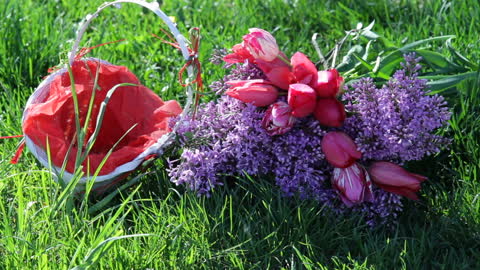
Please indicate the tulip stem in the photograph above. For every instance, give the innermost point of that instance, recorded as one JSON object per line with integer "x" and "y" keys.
{"x": 284, "y": 59}
{"x": 335, "y": 53}
{"x": 319, "y": 52}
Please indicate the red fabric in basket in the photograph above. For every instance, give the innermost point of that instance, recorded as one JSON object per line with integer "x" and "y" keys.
{"x": 53, "y": 117}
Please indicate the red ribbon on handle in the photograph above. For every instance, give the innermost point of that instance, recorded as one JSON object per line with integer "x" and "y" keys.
{"x": 193, "y": 61}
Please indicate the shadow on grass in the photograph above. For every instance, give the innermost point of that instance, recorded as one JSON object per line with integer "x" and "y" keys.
{"x": 251, "y": 225}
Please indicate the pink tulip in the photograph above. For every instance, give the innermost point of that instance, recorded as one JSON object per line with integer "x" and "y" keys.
{"x": 302, "y": 99}
{"x": 278, "y": 119}
{"x": 257, "y": 92}
{"x": 339, "y": 149}
{"x": 277, "y": 71}
{"x": 304, "y": 70}
{"x": 330, "y": 112}
{"x": 353, "y": 184}
{"x": 261, "y": 44}
{"x": 393, "y": 178}
{"x": 328, "y": 83}
{"x": 240, "y": 54}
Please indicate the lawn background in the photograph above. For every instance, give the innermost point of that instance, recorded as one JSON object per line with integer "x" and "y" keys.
{"x": 249, "y": 225}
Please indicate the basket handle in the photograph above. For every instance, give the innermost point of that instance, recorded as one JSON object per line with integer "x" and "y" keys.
{"x": 182, "y": 42}
{"x": 154, "y": 7}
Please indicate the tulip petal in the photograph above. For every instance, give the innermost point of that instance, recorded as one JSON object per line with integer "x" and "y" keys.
{"x": 278, "y": 119}
{"x": 277, "y": 71}
{"x": 302, "y": 99}
{"x": 240, "y": 55}
{"x": 261, "y": 44}
{"x": 256, "y": 92}
{"x": 339, "y": 149}
{"x": 395, "y": 179}
{"x": 280, "y": 77}
{"x": 303, "y": 69}
{"x": 400, "y": 191}
{"x": 328, "y": 83}
{"x": 353, "y": 184}
{"x": 330, "y": 112}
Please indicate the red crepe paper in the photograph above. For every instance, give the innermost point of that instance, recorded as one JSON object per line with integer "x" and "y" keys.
{"x": 51, "y": 117}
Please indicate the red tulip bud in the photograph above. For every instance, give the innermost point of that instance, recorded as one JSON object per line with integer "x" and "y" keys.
{"x": 304, "y": 70}
{"x": 302, "y": 99}
{"x": 257, "y": 92}
{"x": 353, "y": 184}
{"x": 278, "y": 119}
{"x": 240, "y": 54}
{"x": 395, "y": 179}
{"x": 339, "y": 149}
{"x": 261, "y": 44}
{"x": 328, "y": 83}
{"x": 277, "y": 71}
{"x": 330, "y": 112}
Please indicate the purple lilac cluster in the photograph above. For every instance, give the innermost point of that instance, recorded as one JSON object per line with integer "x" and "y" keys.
{"x": 395, "y": 122}
{"x": 224, "y": 138}
{"x": 398, "y": 121}
{"x": 300, "y": 166}
{"x": 383, "y": 210}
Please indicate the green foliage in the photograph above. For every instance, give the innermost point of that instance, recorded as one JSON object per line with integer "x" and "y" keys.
{"x": 151, "y": 223}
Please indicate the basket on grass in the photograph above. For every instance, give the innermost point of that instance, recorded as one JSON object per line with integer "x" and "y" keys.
{"x": 94, "y": 120}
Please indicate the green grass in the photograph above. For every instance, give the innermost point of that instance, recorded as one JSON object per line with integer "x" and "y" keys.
{"x": 250, "y": 225}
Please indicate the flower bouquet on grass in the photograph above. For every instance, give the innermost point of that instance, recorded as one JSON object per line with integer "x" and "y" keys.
{"x": 340, "y": 141}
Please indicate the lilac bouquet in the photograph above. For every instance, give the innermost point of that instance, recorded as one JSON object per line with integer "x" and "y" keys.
{"x": 288, "y": 122}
